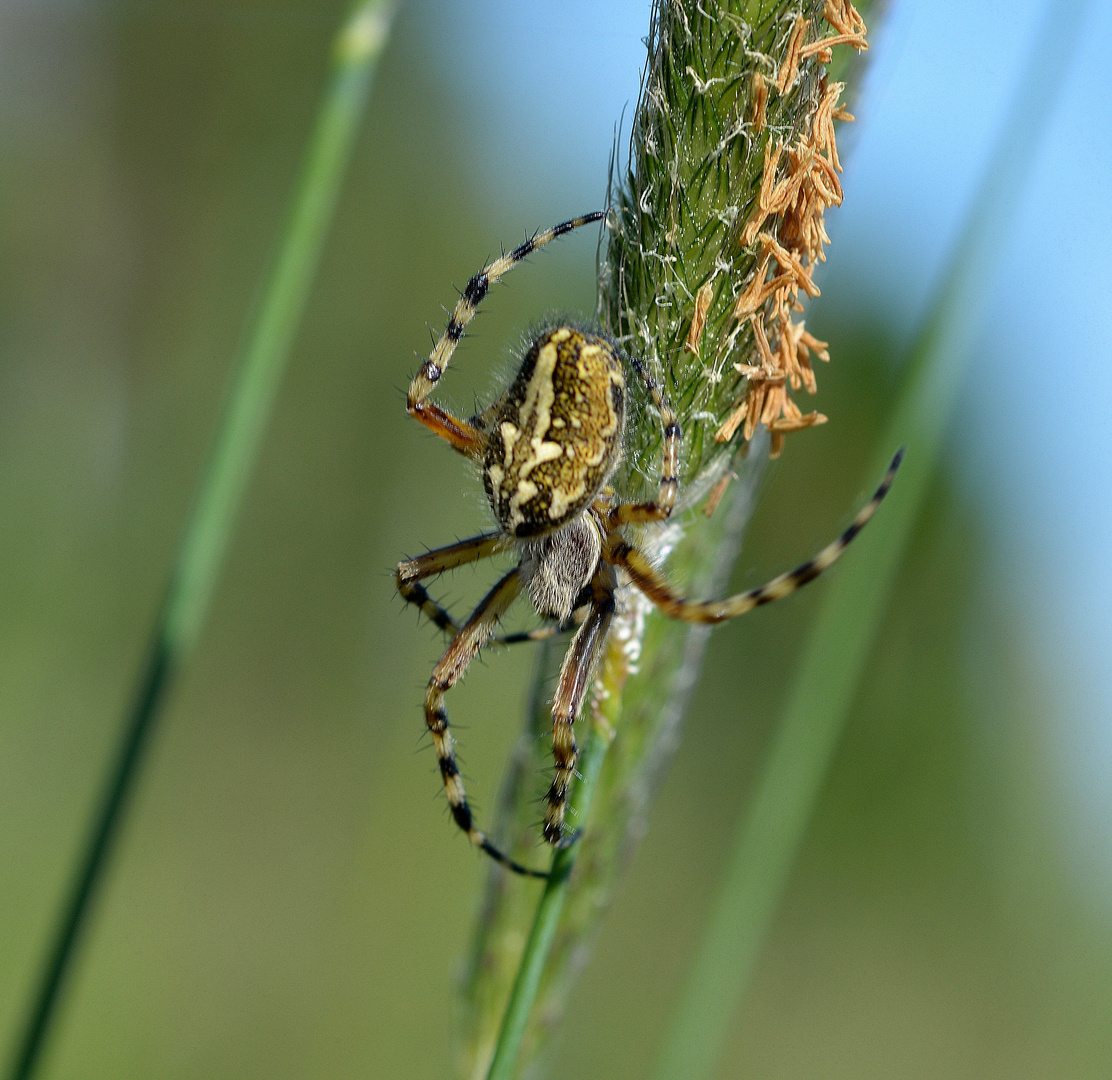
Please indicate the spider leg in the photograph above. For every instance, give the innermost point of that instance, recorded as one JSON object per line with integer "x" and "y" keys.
{"x": 463, "y": 436}
{"x": 657, "y": 589}
{"x": 412, "y": 571}
{"x": 667, "y": 490}
{"x": 451, "y": 668}
{"x": 540, "y": 633}
{"x": 575, "y": 677}
{"x": 444, "y": 619}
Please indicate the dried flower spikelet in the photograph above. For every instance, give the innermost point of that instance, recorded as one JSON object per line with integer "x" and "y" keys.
{"x": 789, "y": 69}
{"x": 699, "y": 318}
{"x": 798, "y": 184}
{"x": 760, "y": 102}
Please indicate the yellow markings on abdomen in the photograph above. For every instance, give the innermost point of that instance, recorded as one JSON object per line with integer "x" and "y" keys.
{"x": 555, "y": 431}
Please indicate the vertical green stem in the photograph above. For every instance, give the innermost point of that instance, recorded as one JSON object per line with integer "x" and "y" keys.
{"x": 679, "y": 200}
{"x": 547, "y": 918}
{"x": 527, "y": 981}
{"x": 849, "y": 620}
{"x": 258, "y": 371}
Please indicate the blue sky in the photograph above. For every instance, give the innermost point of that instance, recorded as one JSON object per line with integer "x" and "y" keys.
{"x": 1032, "y": 438}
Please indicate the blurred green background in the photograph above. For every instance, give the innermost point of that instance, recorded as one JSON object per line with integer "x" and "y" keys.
{"x": 289, "y": 898}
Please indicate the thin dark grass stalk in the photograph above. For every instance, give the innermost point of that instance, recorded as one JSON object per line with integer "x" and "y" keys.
{"x": 257, "y": 374}
{"x": 853, "y": 608}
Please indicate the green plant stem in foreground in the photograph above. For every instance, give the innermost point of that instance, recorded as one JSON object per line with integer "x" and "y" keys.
{"x": 258, "y": 371}
{"x": 543, "y": 932}
{"x": 849, "y": 620}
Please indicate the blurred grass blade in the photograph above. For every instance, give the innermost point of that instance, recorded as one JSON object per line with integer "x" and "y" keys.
{"x": 257, "y": 373}
{"x": 355, "y": 55}
{"x": 856, "y": 599}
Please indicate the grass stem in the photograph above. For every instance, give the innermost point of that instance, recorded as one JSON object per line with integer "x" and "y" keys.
{"x": 538, "y": 945}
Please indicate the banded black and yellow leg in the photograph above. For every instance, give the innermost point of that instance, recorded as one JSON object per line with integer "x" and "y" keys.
{"x": 461, "y": 434}
{"x": 412, "y": 572}
{"x": 646, "y": 578}
{"x": 576, "y": 673}
{"x": 444, "y": 619}
{"x": 668, "y": 488}
{"x": 451, "y": 668}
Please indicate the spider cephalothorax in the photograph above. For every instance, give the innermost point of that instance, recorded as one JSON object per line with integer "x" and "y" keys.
{"x": 547, "y": 449}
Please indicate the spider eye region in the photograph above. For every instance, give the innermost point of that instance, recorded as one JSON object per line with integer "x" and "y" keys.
{"x": 554, "y": 437}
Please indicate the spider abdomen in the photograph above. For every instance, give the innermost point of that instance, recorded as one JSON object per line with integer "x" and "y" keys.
{"x": 554, "y": 437}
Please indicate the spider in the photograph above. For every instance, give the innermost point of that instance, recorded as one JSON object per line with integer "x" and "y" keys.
{"x": 547, "y": 450}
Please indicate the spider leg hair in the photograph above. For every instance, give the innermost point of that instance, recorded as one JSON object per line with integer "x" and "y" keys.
{"x": 660, "y": 508}
{"x": 575, "y": 677}
{"x": 657, "y": 589}
{"x": 453, "y": 664}
{"x": 461, "y": 435}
